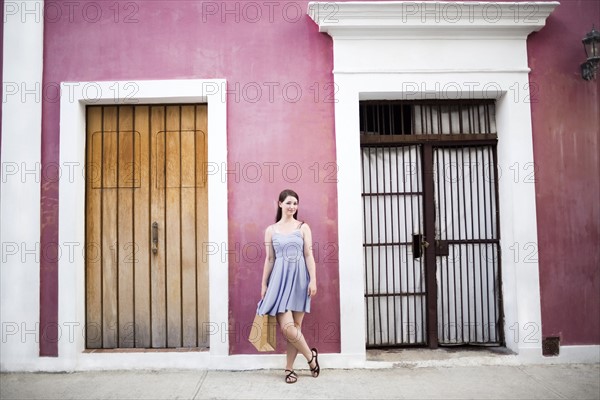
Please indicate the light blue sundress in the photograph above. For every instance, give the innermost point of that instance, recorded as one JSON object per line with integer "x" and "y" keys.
{"x": 287, "y": 289}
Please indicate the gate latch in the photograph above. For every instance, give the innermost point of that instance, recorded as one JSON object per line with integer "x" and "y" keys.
{"x": 441, "y": 248}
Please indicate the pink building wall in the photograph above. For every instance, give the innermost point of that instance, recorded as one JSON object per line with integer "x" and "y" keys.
{"x": 566, "y": 134}
{"x": 280, "y": 123}
{"x": 1, "y": 70}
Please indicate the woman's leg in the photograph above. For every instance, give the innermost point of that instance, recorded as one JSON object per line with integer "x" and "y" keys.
{"x": 298, "y": 317}
{"x": 290, "y": 325}
{"x": 292, "y": 351}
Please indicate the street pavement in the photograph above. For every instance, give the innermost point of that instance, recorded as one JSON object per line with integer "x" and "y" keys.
{"x": 465, "y": 379}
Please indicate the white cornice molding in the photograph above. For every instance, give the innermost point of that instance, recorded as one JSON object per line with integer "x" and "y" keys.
{"x": 419, "y": 19}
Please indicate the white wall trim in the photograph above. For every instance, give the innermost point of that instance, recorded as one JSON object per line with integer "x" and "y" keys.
{"x": 585, "y": 354}
{"x": 432, "y": 19}
{"x": 74, "y": 97}
{"x": 432, "y": 71}
{"x": 377, "y": 55}
{"x": 20, "y": 184}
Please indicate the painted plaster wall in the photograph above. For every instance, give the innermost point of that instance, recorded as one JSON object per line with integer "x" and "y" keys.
{"x": 566, "y": 134}
{"x": 280, "y": 51}
{"x": 1, "y": 63}
{"x": 280, "y": 125}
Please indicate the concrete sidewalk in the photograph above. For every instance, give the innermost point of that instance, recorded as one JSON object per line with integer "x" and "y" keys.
{"x": 554, "y": 381}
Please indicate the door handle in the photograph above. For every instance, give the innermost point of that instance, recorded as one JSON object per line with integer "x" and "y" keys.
{"x": 154, "y": 237}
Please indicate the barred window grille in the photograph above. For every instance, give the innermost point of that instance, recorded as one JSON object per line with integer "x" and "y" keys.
{"x": 419, "y": 118}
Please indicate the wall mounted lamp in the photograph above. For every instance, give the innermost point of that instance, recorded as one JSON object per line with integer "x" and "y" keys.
{"x": 591, "y": 44}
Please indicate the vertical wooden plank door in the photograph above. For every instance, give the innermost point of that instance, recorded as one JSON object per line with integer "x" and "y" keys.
{"x": 146, "y": 220}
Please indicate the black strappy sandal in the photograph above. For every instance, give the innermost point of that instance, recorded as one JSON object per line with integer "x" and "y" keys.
{"x": 291, "y": 377}
{"x": 315, "y": 356}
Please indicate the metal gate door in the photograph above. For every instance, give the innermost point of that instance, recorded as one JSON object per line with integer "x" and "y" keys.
{"x": 395, "y": 285}
{"x": 431, "y": 234}
{"x": 466, "y": 215}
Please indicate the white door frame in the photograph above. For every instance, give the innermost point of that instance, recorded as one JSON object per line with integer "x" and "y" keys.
{"x": 74, "y": 98}
{"x": 410, "y": 50}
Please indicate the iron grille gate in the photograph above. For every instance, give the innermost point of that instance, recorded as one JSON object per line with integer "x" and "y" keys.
{"x": 431, "y": 223}
{"x": 395, "y": 286}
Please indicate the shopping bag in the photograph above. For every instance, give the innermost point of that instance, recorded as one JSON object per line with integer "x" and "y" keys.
{"x": 263, "y": 332}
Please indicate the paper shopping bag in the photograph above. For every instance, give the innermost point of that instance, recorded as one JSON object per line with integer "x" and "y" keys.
{"x": 263, "y": 333}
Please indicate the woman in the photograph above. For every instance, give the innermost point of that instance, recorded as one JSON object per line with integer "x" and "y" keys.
{"x": 289, "y": 281}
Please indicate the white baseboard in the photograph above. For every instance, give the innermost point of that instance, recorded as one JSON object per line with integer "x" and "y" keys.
{"x": 205, "y": 361}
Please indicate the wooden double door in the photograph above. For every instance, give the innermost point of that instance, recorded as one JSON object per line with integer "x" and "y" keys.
{"x": 146, "y": 225}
